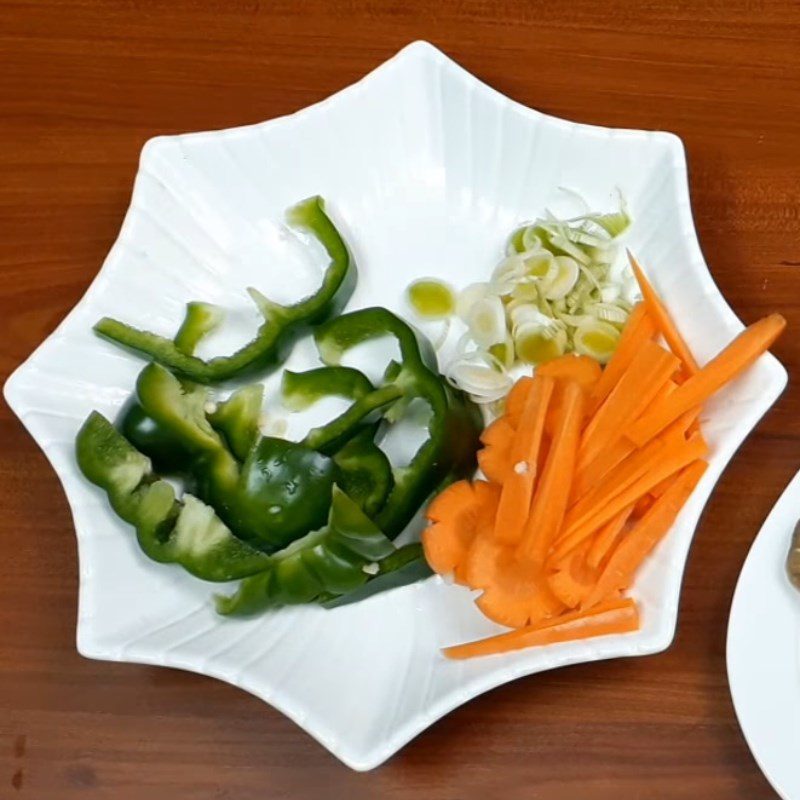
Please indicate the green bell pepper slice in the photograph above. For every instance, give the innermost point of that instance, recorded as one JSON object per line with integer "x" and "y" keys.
{"x": 330, "y": 562}
{"x": 406, "y": 565}
{"x": 237, "y": 419}
{"x": 281, "y": 326}
{"x": 281, "y": 492}
{"x": 364, "y": 472}
{"x": 454, "y": 424}
{"x": 185, "y": 532}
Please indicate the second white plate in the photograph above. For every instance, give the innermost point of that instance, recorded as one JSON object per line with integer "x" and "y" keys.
{"x": 764, "y": 650}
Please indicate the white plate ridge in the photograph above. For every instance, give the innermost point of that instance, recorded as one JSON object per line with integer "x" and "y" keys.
{"x": 426, "y": 170}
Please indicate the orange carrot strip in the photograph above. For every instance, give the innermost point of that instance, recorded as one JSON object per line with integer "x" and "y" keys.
{"x": 647, "y": 373}
{"x": 614, "y": 616}
{"x": 515, "y": 400}
{"x": 643, "y": 505}
{"x": 553, "y": 490}
{"x": 638, "y": 463}
{"x": 659, "y": 313}
{"x": 588, "y": 477}
{"x": 515, "y": 500}
{"x": 585, "y": 371}
{"x": 672, "y": 462}
{"x": 640, "y": 328}
{"x": 607, "y": 537}
{"x": 636, "y": 546}
{"x": 736, "y": 357}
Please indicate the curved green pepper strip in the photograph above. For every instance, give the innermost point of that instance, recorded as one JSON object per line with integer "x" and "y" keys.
{"x": 200, "y": 320}
{"x": 300, "y": 390}
{"x": 454, "y": 424}
{"x": 325, "y": 563}
{"x": 281, "y": 326}
{"x": 237, "y": 419}
{"x": 364, "y": 472}
{"x": 333, "y": 435}
{"x": 185, "y": 532}
{"x": 406, "y": 565}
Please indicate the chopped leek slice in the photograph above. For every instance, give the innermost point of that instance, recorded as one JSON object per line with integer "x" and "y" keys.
{"x": 567, "y": 274}
{"x": 431, "y": 298}
{"x": 468, "y": 297}
{"x": 487, "y": 321}
{"x": 596, "y": 339}
{"x": 536, "y": 344}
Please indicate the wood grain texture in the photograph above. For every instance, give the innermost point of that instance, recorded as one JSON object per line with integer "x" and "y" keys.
{"x": 84, "y": 84}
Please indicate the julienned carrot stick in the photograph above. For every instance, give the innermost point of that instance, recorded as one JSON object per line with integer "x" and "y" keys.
{"x": 590, "y": 476}
{"x": 515, "y": 500}
{"x": 647, "y": 373}
{"x": 629, "y": 470}
{"x": 553, "y": 490}
{"x": 607, "y": 537}
{"x": 583, "y": 370}
{"x": 692, "y": 450}
{"x": 640, "y": 328}
{"x": 634, "y": 548}
{"x": 515, "y": 401}
{"x": 614, "y": 616}
{"x": 736, "y": 357}
{"x": 663, "y": 321}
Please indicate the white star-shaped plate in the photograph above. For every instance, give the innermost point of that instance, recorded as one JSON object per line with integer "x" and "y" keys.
{"x": 426, "y": 170}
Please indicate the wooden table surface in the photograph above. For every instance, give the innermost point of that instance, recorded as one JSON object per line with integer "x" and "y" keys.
{"x": 84, "y": 84}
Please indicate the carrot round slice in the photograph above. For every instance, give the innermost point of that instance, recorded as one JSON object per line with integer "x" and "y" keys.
{"x": 494, "y": 458}
{"x": 518, "y": 594}
{"x": 575, "y": 579}
{"x": 614, "y": 616}
{"x": 583, "y": 370}
{"x": 458, "y": 514}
